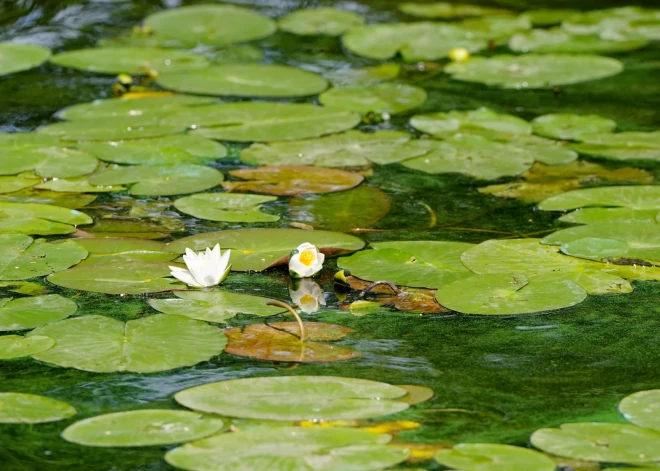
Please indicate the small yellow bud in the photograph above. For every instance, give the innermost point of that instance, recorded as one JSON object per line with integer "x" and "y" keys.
{"x": 459, "y": 54}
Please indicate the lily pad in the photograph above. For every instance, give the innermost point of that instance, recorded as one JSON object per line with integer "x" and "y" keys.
{"x": 559, "y": 41}
{"x": 147, "y": 427}
{"x": 28, "y": 313}
{"x": 496, "y": 28}
{"x": 227, "y": 207}
{"x": 217, "y": 25}
{"x": 129, "y": 60}
{"x": 364, "y": 75}
{"x": 280, "y": 341}
{"x": 295, "y": 398}
{"x": 630, "y": 145}
{"x": 259, "y": 249}
{"x": 411, "y": 300}
{"x": 114, "y": 130}
{"x": 534, "y": 70}
{"x": 320, "y": 21}
{"x": 546, "y": 151}
{"x": 289, "y": 449}
{"x": 30, "y": 218}
{"x": 571, "y": 126}
{"x": 19, "y": 408}
{"x": 601, "y": 215}
{"x": 448, "y": 11}
{"x": 214, "y": 306}
{"x": 77, "y": 185}
{"x": 15, "y": 57}
{"x": 118, "y": 250}
{"x": 642, "y": 408}
{"x": 155, "y": 343}
{"x": 21, "y": 140}
{"x": 248, "y": 80}
{"x": 23, "y": 257}
{"x": 49, "y": 162}
{"x": 493, "y": 457}
{"x": 633, "y": 197}
{"x": 158, "y": 180}
{"x": 16, "y": 346}
{"x": 620, "y": 152}
{"x": 482, "y": 119}
{"x": 73, "y": 201}
{"x": 136, "y": 227}
{"x": 19, "y": 182}
{"x": 549, "y": 16}
{"x": 286, "y": 180}
{"x": 612, "y": 443}
{"x": 384, "y": 98}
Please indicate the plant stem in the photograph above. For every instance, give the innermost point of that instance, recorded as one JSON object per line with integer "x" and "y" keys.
{"x": 292, "y": 311}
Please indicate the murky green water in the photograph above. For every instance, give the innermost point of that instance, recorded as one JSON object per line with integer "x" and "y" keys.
{"x": 503, "y": 377}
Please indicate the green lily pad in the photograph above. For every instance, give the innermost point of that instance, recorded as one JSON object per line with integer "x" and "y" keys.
{"x": 119, "y": 250}
{"x": 19, "y": 182}
{"x": 217, "y": 25}
{"x": 423, "y": 41}
{"x": 129, "y": 60}
{"x": 44, "y": 219}
{"x": 602, "y": 215}
{"x": 77, "y": 185}
{"x": 320, "y": 21}
{"x": 140, "y": 227}
{"x": 71, "y": 200}
{"x": 534, "y": 70}
{"x": 508, "y": 294}
{"x": 629, "y": 139}
{"x": 482, "y": 119}
{"x": 493, "y": 457}
{"x": 155, "y": 343}
{"x": 114, "y": 130}
{"x": 235, "y": 54}
{"x": 559, "y": 41}
{"x": 425, "y": 264}
{"x": 633, "y": 197}
{"x": 259, "y": 249}
{"x": 19, "y": 408}
{"x": 384, "y": 98}
{"x": 49, "y": 162}
{"x": 214, "y": 306}
{"x": 248, "y": 80}
{"x": 15, "y": 57}
{"x": 227, "y": 207}
{"x": 158, "y": 180}
{"x": 612, "y": 443}
{"x": 448, "y": 11}
{"x": 16, "y": 346}
{"x": 364, "y": 75}
{"x": 356, "y": 208}
{"x": 546, "y": 151}
{"x": 117, "y": 278}
{"x": 613, "y": 22}
{"x": 621, "y": 153}
{"x": 23, "y": 257}
{"x": 642, "y": 408}
{"x": 571, "y": 126}
{"x": 496, "y": 28}
{"x": 21, "y": 140}
{"x": 295, "y": 398}
{"x": 549, "y": 16}
{"x": 148, "y": 427}
{"x": 28, "y": 313}
{"x": 349, "y": 149}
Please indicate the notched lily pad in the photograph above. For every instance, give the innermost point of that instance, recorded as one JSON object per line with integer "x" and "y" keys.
{"x": 228, "y": 207}
{"x": 18, "y": 408}
{"x": 384, "y": 98}
{"x": 557, "y": 40}
{"x": 28, "y": 313}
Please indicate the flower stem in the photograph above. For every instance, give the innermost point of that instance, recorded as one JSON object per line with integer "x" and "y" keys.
{"x": 292, "y": 311}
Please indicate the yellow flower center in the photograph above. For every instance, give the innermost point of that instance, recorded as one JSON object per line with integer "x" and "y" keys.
{"x": 307, "y": 257}
{"x": 307, "y": 298}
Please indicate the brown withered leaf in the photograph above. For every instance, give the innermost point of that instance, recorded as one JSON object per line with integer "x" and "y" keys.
{"x": 411, "y": 300}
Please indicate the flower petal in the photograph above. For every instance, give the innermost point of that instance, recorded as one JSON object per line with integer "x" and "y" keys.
{"x": 184, "y": 275}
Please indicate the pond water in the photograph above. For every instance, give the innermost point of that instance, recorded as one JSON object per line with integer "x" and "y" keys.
{"x": 495, "y": 378}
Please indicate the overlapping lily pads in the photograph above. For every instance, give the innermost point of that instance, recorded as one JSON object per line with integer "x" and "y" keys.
{"x": 571, "y": 126}
{"x": 364, "y": 75}
{"x": 228, "y": 207}
{"x": 19, "y": 408}
{"x": 320, "y": 21}
{"x": 23, "y": 257}
{"x": 43, "y": 219}
{"x": 115, "y": 130}
{"x": 76, "y": 185}
{"x": 494, "y": 457}
{"x": 480, "y": 120}
{"x": 559, "y": 41}
{"x": 48, "y": 162}
{"x": 633, "y": 197}
{"x": 155, "y": 343}
{"x": 15, "y": 57}
{"x": 103, "y": 251}
{"x": 384, "y": 98}
{"x": 602, "y": 215}
{"x": 448, "y": 11}
{"x": 28, "y": 313}
{"x": 16, "y": 346}
{"x": 621, "y": 146}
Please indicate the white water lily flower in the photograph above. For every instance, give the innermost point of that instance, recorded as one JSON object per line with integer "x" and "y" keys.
{"x": 205, "y": 269}
{"x": 307, "y": 295}
{"x": 305, "y": 261}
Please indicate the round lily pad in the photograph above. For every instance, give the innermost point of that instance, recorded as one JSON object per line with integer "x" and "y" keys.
{"x": 154, "y": 343}
{"x": 482, "y": 119}
{"x": 570, "y": 126}
{"x": 227, "y": 207}
{"x": 129, "y": 60}
{"x": 217, "y": 25}
{"x": 16, "y": 346}
{"x": 320, "y": 21}
{"x": 52, "y": 198}
{"x": 15, "y": 57}
{"x": 48, "y": 162}
{"x": 147, "y": 427}
{"x": 18, "y": 408}
{"x": 448, "y": 11}
{"x": 534, "y": 70}
{"x": 493, "y": 457}
{"x": 258, "y": 249}
{"x": 289, "y": 449}
{"x": 248, "y": 80}
{"x": 642, "y": 408}
{"x": 28, "y": 313}
{"x": 295, "y": 398}
{"x": 384, "y": 98}
{"x": 633, "y": 197}
{"x": 612, "y": 443}
{"x": 114, "y": 130}
{"x": 559, "y": 41}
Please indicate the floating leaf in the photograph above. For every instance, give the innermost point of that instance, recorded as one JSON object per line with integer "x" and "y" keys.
{"x": 549, "y": 16}
{"x": 77, "y": 185}
{"x": 633, "y": 197}
{"x": 546, "y": 151}
{"x": 235, "y": 54}
{"x": 30, "y": 218}
{"x": 534, "y": 70}
{"x": 613, "y": 22}
{"x": 71, "y": 200}
{"x": 129, "y": 60}
{"x": 493, "y": 457}
{"x": 140, "y": 228}
{"x": 364, "y": 75}
{"x": 158, "y": 180}
{"x": 280, "y": 341}
{"x": 642, "y": 408}
{"x": 18, "y": 408}
{"x": 24, "y": 287}
{"x": 448, "y": 11}
{"x": 23, "y": 257}
{"x": 19, "y": 182}
{"x": 258, "y": 249}
{"x": 155, "y": 343}
{"x": 228, "y": 207}
{"x": 28, "y": 313}
{"x": 557, "y": 40}
{"x": 48, "y": 162}
{"x": 116, "y": 250}
{"x": 108, "y": 131}
{"x": 630, "y": 139}
{"x": 22, "y": 140}
{"x": 416, "y": 394}
{"x": 384, "y": 98}
{"x": 495, "y": 28}
{"x": 317, "y": 21}
{"x": 295, "y": 398}
{"x": 571, "y": 126}
{"x": 621, "y": 153}
{"x": 148, "y": 427}
{"x": 621, "y": 146}
{"x": 482, "y": 119}
{"x": 16, "y": 57}
{"x": 286, "y": 180}
{"x": 217, "y": 25}
{"x": 248, "y": 80}
{"x": 289, "y": 449}
{"x": 602, "y": 215}
{"x": 16, "y": 346}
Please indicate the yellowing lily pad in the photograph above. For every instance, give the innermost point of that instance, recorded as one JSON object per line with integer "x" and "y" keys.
{"x": 633, "y": 197}
{"x": 16, "y": 346}
{"x": 320, "y": 21}
{"x": 48, "y": 162}
{"x": 559, "y": 41}
{"x": 493, "y": 457}
{"x": 448, "y": 11}
{"x": 642, "y": 408}
{"x": 571, "y": 126}
{"x": 147, "y": 427}
{"x": 384, "y": 98}
{"x": 482, "y": 119}
{"x": 28, "y": 313}
{"x": 15, "y": 57}
{"x": 18, "y": 408}
{"x": 21, "y": 257}
{"x": 227, "y": 207}
{"x": 154, "y": 343}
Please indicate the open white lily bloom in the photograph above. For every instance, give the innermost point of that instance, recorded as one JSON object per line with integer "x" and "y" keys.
{"x": 307, "y": 295}
{"x": 206, "y": 268}
{"x": 305, "y": 261}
